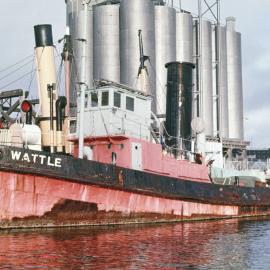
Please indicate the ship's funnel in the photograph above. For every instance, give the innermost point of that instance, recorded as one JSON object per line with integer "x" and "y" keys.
{"x": 43, "y": 35}
{"x": 179, "y": 107}
{"x": 46, "y": 75}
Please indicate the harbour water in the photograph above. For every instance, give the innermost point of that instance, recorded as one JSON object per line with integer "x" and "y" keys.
{"x": 231, "y": 244}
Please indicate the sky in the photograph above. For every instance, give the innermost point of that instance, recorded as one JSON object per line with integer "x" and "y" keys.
{"x": 17, "y": 18}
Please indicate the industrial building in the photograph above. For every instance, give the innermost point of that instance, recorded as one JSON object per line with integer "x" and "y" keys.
{"x": 169, "y": 35}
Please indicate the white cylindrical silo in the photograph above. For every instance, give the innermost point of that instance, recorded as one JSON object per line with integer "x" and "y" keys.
{"x": 235, "y": 88}
{"x": 185, "y": 46}
{"x": 76, "y": 25}
{"x": 106, "y": 42}
{"x": 165, "y": 28}
{"x": 207, "y": 77}
{"x": 184, "y": 37}
{"x": 224, "y": 113}
{"x": 137, "y": 15}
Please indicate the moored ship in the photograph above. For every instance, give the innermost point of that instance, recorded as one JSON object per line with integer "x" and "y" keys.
{"x": 114, "y": 162}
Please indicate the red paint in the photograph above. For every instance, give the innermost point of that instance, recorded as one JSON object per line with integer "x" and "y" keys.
{"x": 153, "y": 158}
{"x": 24, "y": 195}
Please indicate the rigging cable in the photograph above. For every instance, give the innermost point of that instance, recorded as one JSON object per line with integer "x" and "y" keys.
{"x": 23, "y": 76}
{"x": 17, "y": 69}
{"x": 13, "y": 65}
{"x": 32, "y": 76}
{"x": 59, "y": 76}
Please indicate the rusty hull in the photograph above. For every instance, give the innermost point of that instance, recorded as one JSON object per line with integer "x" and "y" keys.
{"x": 84, "y": 192}
{"x": 33, "y": 201}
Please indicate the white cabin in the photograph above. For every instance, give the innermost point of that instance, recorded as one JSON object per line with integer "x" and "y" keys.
{"x": 113, "y": 109}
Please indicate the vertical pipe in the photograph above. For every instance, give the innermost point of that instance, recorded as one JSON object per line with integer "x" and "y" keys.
{"x": 50, "y": 89}
{"x": 83, "y": 85}
{"x": 60, "y": 115}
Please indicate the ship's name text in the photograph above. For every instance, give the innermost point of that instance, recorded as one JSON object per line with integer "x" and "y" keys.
{"x": 36, "y": 158}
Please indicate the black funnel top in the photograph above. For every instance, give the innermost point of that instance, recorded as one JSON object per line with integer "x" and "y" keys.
{"x": 43, "y": 35}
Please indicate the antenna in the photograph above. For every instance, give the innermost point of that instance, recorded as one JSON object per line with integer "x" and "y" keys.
{"x": 143, "y": 57}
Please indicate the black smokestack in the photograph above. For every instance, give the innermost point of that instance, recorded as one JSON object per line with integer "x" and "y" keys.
{"x": 43, "y": 35}
{"x": 179, "y": 106}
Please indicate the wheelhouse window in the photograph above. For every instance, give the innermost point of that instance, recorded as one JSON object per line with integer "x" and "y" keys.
{"x": 94, "y": 99}
{"x": 105, "y": 98}
{"x": 117, "y": 100}
{"x": 130, "y": 104}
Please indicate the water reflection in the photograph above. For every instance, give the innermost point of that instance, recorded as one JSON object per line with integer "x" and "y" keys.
{"x": 206, "y": 245}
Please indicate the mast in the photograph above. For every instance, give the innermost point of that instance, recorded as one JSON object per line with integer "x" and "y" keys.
{"x": 67, "y": 59}
{"x": 83, "y": 85}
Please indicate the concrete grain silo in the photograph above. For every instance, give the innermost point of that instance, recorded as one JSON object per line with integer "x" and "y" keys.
{"x": 137, "y": 15}
{"x": 235, "y": 88}
{"x": 184, "y": 37}
{"x": 207, "y": 77}
{"x": 76, "y": 22}
{"x": 224, "y": 124}
{"x": 106, "y": 42}
{"x": 165, "y": 32}
{"x": 185, "y": 46}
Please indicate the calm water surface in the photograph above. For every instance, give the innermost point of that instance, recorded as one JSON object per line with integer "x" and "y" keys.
{"x": 206, "y": 245}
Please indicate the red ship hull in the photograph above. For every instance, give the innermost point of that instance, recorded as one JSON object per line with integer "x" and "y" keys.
{"x": 65, "y": 191}
{"x": 34, "y": 201}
